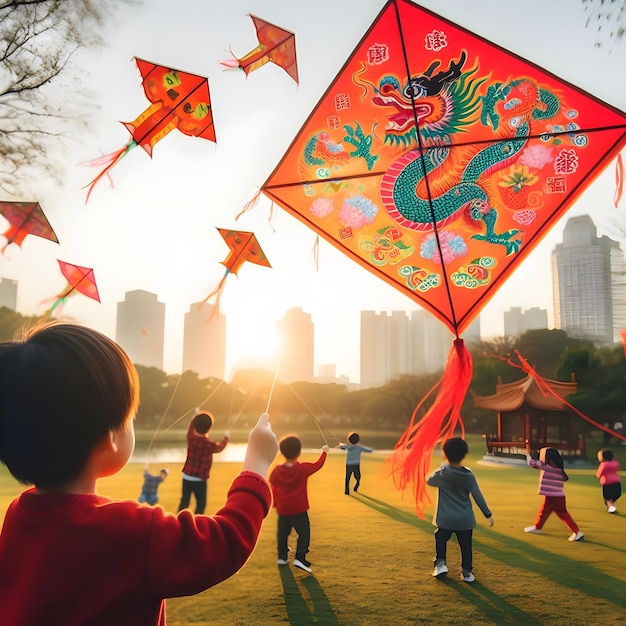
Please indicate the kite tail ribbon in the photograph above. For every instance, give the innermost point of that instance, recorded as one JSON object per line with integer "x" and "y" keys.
{"x": 57, "y": 302}
{"x": 546, "y": 390}
{"x": 218, "y": 293}
{"x": 619, "y": 180}
{"x": 109, "y": 161}
{"x": 411, "y": 458}
{"x": 231, "y": 64}
{"x": 249, "y": 205}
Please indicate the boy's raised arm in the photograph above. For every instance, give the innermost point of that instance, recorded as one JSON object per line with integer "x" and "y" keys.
{"x": 262, "y": 447}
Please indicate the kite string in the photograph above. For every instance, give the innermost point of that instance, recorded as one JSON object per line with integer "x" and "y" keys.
{"x": 269, "y": 398}
{"x": 169, "y": 404}
{"x": 315, "y": 420}
{"x": 178, "y": 419}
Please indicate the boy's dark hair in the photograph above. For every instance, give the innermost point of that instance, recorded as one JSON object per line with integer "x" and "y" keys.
{"x": 203, "y": 422}
{"x": 164, "y": 471}
{"x": 354, "y": 438}
{"x": 290, "y": 447}
{"x": 455, "y": 449}
{"x": 607, "y": 454}
{"x": 63, "y": 387}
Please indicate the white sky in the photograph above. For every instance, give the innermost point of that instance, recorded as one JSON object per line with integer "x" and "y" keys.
{"x": 156, "y": 229}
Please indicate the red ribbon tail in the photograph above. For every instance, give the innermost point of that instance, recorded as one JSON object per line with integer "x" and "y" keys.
{"x": 410, "y": 461}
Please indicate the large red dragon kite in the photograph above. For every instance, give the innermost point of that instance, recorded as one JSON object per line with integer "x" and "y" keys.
{"x": 437, "y": 161}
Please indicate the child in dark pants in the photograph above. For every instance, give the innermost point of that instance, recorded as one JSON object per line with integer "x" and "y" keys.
{"x": 288, "y": 482}
{"x": 609, "y": 478}
{"x": 454, "y": 512}
{"x": 353, "y": 460}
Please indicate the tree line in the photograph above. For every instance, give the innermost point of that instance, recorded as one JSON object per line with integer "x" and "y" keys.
{"x": 169, "y": 400}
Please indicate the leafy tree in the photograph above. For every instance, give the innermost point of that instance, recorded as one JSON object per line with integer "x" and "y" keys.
{"x": 607, "y": 19}
{"x": 37, "y": 41}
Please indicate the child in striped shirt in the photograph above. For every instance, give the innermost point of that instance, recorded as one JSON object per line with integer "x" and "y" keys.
{"x": 551, "y": 486}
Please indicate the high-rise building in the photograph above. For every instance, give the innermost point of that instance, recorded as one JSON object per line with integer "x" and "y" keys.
{"x": 141, "y": 327}
{"x": 517, "y": 322}
{"x": 296, "y": 337}
{"x": 8, "y": 293}
{"x": 396, "y": 344}
{"x": 204, "y": 341}
{"x": 589, "y": 283}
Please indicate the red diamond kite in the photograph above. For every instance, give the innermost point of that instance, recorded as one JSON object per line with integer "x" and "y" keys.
{"x": 25, "y": 218}
{"x": 276, "y": 45}
{"x": 179, "y": 100}
{"x": 437, "y": 161}
{"x": 79, "y": 280}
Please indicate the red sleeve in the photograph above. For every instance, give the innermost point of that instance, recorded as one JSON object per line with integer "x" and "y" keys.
{"x": 187, "y": 553}
{"x": 317, "y": 465}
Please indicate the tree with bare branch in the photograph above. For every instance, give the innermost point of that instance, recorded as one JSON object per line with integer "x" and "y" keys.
{"x": 37, "y": 41}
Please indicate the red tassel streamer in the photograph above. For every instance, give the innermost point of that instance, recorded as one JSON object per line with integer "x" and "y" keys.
{"x": 410, "y": 461}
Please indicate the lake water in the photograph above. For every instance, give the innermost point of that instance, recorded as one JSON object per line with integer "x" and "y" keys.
{"x": 233, "y": 453}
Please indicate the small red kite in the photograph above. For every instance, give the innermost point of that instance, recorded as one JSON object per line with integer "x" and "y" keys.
{"x": 179, "y": 100}
{"x": 79, "y": 280}
{"x": 25, "y": 218}
{"x": 276, "y": 45}
{"x": 243, "y": 247}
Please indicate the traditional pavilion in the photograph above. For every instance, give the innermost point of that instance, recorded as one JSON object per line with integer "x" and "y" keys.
{"x": 528, "y": 420}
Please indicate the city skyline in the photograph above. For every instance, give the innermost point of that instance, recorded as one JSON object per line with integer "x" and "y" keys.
{"x": 391, "y": 341}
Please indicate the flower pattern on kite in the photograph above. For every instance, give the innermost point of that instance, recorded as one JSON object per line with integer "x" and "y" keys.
{"x": 179, "y": 100}
{"x": 25, "y": 218}
{"x": 276, "y": 45}
{"x": 79, "y": 280}
{"x": 437, "y": 161}
{"x": 243, "y": 246}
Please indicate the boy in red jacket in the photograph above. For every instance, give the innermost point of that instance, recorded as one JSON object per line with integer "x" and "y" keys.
{"x": 68, "y": 398}
{"x": 289, "y": 488}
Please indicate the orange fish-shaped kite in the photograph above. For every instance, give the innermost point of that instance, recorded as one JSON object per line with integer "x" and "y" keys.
{"x": 25, "y": 218}
{"x": 179, "y": 100}
{"x": 79, "y": 280}
{"x": 244, "y": 246}
{"x": 276, "y": 45}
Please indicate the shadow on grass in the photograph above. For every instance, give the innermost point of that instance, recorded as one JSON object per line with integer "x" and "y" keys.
{"x": 300, "y": 612}
{"x": 395, "y": 513}
{"x": 577, "y": 575}
{"x": 491, "y": 605}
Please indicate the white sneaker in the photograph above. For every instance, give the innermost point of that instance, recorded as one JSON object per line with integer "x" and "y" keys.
{"x": 532, "y": 529}
{"x": 576, "y": 536}
{"x": 612, "y": 509}
{"x": 281, "y": 562}
{"x": 301, "y": 565}
{"x": 468, "y": 577}
{"x": 441, "y": 569}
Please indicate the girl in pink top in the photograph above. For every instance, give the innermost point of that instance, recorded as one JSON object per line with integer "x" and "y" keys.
{"x": 551, "y": 486}
{"x": 609, "y": 479}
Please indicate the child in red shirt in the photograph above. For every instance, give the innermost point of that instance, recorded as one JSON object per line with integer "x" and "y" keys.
{"x": 289, "y": 488}
{"x": 200, "y": 451}
{"x": 68, "y": 397}
{"x": 609, "y": 478}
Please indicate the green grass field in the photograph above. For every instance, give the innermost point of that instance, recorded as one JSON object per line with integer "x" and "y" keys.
{"x": 372, "y": 556}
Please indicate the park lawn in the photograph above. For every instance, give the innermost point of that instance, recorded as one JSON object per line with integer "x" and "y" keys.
{"x": 372, "y": 556}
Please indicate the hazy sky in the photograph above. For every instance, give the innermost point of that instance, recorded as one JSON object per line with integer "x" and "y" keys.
{"x": 156, "y": 229}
